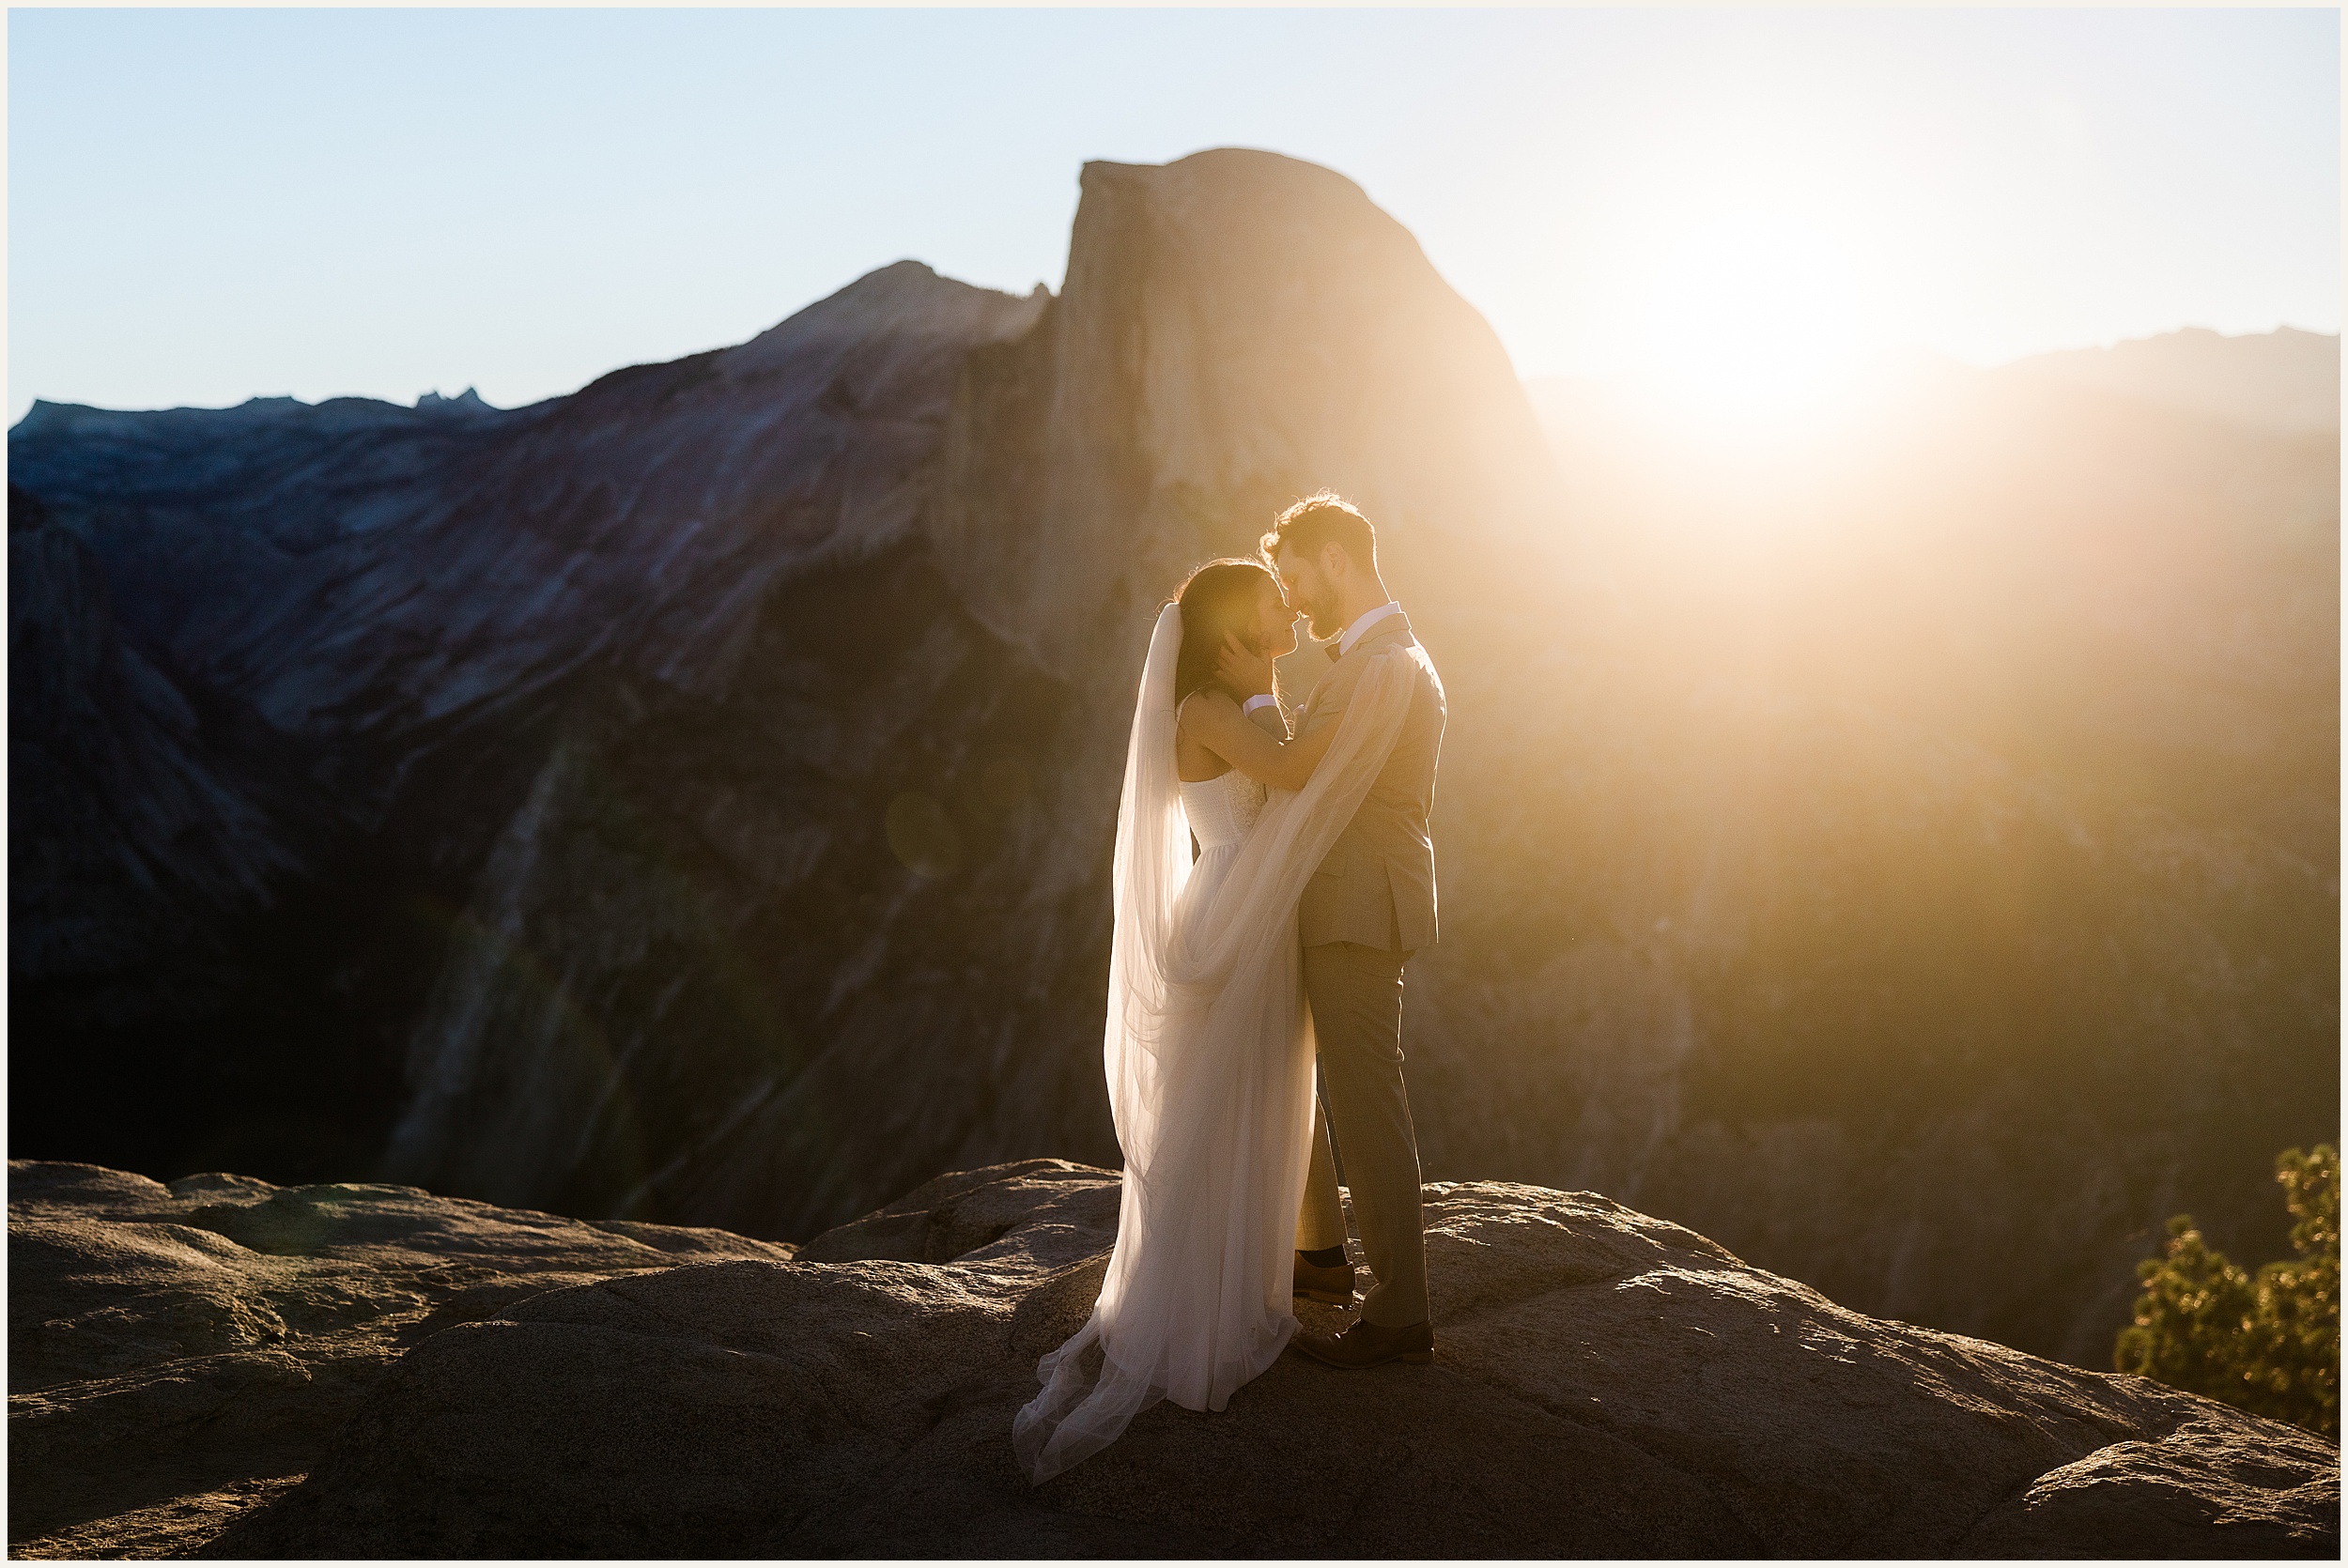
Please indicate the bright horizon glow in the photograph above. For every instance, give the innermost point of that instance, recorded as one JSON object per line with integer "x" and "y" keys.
{"x": 1733, "y": 209}
{"x": 1753, "y": 315}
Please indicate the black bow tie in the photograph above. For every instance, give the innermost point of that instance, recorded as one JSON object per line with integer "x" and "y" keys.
{"x": 1334, "y": 652}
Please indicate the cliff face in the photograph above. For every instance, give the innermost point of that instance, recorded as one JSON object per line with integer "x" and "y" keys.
{"x": 355, "y": 1371}
{"x": 1235, "y": 330}
{"x": 119, "y": 786}
{"x": 605, "y": 703}
{"x": 690, "y": 800}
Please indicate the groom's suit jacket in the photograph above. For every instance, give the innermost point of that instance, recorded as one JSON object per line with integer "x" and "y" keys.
{"x": 1377, "y": 886}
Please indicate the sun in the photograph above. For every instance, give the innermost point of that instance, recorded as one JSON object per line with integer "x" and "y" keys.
{"x": 1754, "y": 318}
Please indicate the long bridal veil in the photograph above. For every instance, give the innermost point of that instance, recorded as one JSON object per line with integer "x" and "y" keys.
{"x": 1209, "y": 1052}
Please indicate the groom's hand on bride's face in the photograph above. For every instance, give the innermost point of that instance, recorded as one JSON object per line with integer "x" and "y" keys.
{"x": 1241, "y": 668}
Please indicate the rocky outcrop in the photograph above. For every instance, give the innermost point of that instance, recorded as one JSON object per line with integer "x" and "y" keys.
{"x": 173, "y": 1345}
{"x": 688, "y": 800}
{"x": 354, "y": 1370}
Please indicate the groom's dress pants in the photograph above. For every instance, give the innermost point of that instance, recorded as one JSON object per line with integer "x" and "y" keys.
{"x": 1356, "y": 997}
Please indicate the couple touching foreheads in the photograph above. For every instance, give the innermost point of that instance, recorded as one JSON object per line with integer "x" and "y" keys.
{"x": 1283, "y": 939}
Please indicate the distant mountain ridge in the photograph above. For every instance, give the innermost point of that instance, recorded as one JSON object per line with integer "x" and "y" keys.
{"x": 2286, "y": 380}
{"x": 2283, "y": 382}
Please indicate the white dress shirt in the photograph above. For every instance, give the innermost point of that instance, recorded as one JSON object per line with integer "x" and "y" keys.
{"x": 1363, "y": 623}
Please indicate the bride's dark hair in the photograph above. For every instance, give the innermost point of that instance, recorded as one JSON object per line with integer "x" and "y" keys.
{"x": 1216, "y": 598}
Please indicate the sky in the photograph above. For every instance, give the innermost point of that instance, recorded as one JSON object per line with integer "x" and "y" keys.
{"x": 209, "y": 205}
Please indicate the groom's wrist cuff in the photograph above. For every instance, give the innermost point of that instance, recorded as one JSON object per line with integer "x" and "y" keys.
{"x": 1262, "y": 700}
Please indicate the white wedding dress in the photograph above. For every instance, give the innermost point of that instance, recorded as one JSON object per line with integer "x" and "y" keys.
{"x": 1209, "y": 1052}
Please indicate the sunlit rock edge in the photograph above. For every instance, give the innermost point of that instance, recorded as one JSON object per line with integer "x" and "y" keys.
{"x": 223, "y": 1366}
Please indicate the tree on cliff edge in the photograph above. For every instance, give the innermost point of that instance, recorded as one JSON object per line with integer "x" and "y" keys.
{"x": 2268, "y": 1342}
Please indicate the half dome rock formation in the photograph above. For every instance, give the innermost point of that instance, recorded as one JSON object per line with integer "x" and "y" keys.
{"x": 688, "y": 801}
{"x": 369, "y": 1371}
{"x": 1235, "y": 328}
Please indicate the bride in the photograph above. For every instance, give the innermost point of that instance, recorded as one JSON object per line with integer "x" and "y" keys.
{"x": 1209, "y": 1045}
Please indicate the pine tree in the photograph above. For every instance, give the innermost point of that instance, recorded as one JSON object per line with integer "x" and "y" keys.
{"x": 2268, "y": 1342}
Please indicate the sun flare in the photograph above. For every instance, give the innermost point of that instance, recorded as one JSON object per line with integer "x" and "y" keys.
{"x": 1754, "y": 318}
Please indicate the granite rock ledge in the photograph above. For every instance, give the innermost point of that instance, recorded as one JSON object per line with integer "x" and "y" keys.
{"x": 221, "y": 1367}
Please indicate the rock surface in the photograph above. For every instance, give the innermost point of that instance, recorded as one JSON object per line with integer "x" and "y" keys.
{"x": 228, "y": 1368}
{"x": 166, "y": 1342}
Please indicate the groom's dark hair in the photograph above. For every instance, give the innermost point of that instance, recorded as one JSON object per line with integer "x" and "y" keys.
{"x": 1323, "y": 518}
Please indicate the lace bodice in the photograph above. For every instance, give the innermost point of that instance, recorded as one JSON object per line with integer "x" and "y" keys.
{"x": 1222, "y": 809}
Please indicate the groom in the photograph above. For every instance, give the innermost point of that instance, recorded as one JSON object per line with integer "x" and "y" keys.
{"x": 1368, "y": 907}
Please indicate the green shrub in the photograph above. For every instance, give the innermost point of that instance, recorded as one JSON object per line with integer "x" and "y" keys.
{"x": 2269, "y": 1341}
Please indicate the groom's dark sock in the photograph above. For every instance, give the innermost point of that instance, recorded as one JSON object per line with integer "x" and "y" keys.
{"x": 1326, "y": 1257}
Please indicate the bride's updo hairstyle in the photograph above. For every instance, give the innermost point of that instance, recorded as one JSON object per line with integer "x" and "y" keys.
{"x": 1216, "y": 598}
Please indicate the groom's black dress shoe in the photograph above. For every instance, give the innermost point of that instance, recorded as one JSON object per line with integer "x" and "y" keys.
{"x": 1333, "y": 1284}
{"x": 1367, "y": 1344}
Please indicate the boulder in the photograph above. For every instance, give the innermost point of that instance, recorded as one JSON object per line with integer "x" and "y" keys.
{"x": 354, "y": 1371}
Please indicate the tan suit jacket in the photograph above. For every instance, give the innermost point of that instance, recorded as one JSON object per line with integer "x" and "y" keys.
{"x": 1377, "y": 886}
